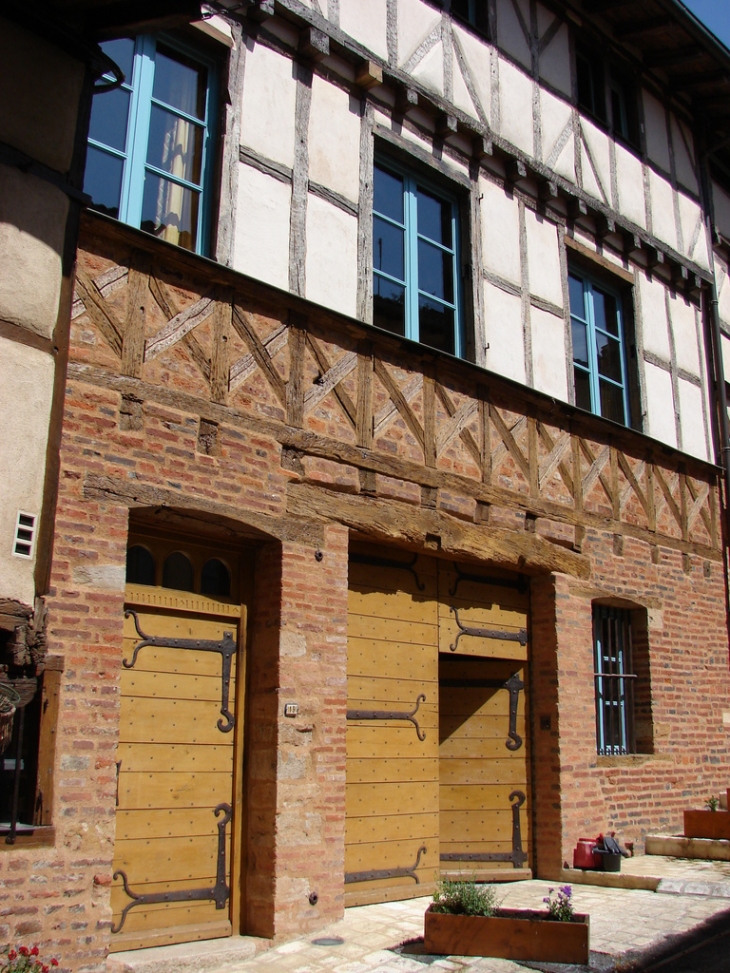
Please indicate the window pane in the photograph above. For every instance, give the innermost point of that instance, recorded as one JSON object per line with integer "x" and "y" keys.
{"x": 180, "y": 82}
{"x": 170, "y": 211}
{"x": 215, "y": 578}
{"x": 389, "y": 302}
{"x": 103, "y": 180}
{"x": 175, "y": 145}
{"x": 177, "y": 572}
{"x": 388, "y": 248}
{"x": 605, "y": 311}
{"x": 434, "y": 218}
{"x": 582, "y": 389}
{"x": 109, "y": 114}
{"x": 609, "y": 357}
{"x": 435, "y": 271}
{"x": 577, "y": 301}
{"x": 140, "y": 566}
{"x": 388, "y": 194}
{"x": 435, "y": 325}
{"x": 612, "y": 402}
{"x": 580, "y": 342}
{"x": 122, "y": 53}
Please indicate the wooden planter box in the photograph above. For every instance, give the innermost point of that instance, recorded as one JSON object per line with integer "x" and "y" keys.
{"x": 707, "y": 824}
{"x": 517, "y": 934}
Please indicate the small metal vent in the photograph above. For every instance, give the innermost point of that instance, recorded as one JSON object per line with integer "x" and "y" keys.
{"x": 24, "y": 534}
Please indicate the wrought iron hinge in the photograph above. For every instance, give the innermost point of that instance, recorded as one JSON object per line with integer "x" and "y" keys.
{"x": 486, "y": 633}
{"x": 384, "y": 714}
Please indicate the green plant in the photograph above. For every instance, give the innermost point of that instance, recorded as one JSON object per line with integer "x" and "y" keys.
{"x": 560, "y": 908}
{"x": 25, "y": 959}
{"x": 464, "y": 899}
{"x": 712, "y": 803}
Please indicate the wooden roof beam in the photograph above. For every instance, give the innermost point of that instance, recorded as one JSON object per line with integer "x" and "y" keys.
{"x": 667, "y": 59}
{"x": 641, "y": 27}
{"x": 604, "y": 6}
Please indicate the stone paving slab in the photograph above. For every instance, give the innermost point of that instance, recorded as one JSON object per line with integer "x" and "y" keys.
{"x": 624, "y": 924}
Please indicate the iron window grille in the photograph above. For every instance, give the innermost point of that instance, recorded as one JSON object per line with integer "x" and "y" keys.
{"x": 614, "y": 681}
{"x": 150, "y": 140}
{"x": 416, "y": 280}
{"x": 599, "y": 348}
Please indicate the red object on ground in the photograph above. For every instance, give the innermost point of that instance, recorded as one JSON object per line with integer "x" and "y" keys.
{"x": 585, "y": 856}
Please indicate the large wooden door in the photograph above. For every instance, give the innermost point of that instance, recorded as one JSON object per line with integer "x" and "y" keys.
{"x": 178, "y": 794}
{"x": 437, "y": 778}
{"x": 391, "y": 837}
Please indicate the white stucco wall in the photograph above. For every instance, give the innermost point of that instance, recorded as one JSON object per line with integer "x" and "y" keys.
{"x": 548, "y": 354}
{"x": 684, "y": 327}
{"x": 504, "y": 333}
{"x": 26, "y": 388}
{"x": 543, "y": 258}
{"x": 500, "y": 232}
{"x": 653, "y": 310}
{"x": 660, "y": 405}
{"x": 267, "y": 112}
{"x": 334, "y": 139}
{"x": 262, "y": 228}
{"x": 366, "y": 22}
{"x": 331, "y": 264}
{"x": 692, "y": 421}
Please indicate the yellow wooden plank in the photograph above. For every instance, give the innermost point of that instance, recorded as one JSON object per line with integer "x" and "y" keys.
{"x": 164, "y": 685}
{"x": 390, "y": 631}
{"x": 495, "y": 825}
{"x": 414, "y": 797}
{"x": 498, "y": 873}
{"x": 166, "y": 823}
{"x": 481, "y": 615}
{"x": 183, "y": 661}
{"x": 480, "y": 647}
{"x": 480, "y": 727}
{"x": 374, "y": 739}
{"x": 397, "y": 828}
{"x": 452, "y": 589}
{"x": 177, "y": 758}
{"x": 188, "y": 933}
{"x": 181, "y": 859}
{"x": 372, "y": 770}
{"x": 173, "y": 790}
{"x": 457, "y": 747}
{"x": 398, "y": 690}
{"x": 395, "y": 606}
{"x": 468, "y": 797}
{"x": 169, "y": 721}
{"x": 366, "y": 895}
{"x": 481, "y": 771}
{"x": 394, "y": 854}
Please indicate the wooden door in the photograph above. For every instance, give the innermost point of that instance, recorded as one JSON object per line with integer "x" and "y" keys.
{"x": 483, "y": 740}
{"x": 391, "y": 836}
{"x": 176, "y": 788}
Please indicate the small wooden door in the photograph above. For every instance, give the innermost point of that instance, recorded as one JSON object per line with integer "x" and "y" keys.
{"x": 483, "y": 740}
{"x": 177, "y": 789}
{"x": 391, "y": 835}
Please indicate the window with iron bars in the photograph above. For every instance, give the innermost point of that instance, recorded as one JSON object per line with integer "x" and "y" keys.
{"x": 615, "y": 680}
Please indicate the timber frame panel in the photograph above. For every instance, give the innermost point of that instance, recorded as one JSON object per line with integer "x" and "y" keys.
{"x": 155, "y": 324}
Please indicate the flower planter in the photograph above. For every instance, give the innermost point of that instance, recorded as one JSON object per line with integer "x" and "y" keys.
{"x": 707, "y": 824}
{"x": 517, "y": 934}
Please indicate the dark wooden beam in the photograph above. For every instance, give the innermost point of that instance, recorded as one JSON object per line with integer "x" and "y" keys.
{"x": 680, "y": 55}
{"x": 640, "y": 27}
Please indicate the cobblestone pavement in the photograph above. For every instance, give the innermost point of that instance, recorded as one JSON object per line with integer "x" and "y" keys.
{"x": 624, "y": 923}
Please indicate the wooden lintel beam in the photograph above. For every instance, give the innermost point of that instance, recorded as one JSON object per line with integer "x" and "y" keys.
{"x": 446, "y": 125}
{"x": 405, "y": 100}
{"x": 481, "y": 147}
{"x": 369, "y": 74}
{"x": 401, "y": 522}
{"x": 515, "y": 170}
{"x": 605, "y": 226}
{"x": 314, "y": 44}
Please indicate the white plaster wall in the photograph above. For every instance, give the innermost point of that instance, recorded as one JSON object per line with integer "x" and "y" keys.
{"x": 723, "y": 292}
{"x": 722, "y": 208}
{"x": 660, "y": 405}
{"x": 684, "y": 159}
{"x": 334, "y": 139}
{"x": 429, "y": 71}
{"x": 366, "y": 22}
{"x": 555, "y": 61}
{"x": 630, "y": 182}
{"x": 558, "y": 143}
{"x": 477, "y": 57}
{"x": 515, "y": 93}
{"x": 262, "y": 229}
{"x": 500, "y": 232}
{"x": 510, "y": 36}
{"x": 416, "y": 20}
{"x": 543, "y": 255}
{"x": 597, "y": 168}
{"x": 269, "y": 97}
{"x": 655, "y": 122}
{"x": 331, "y": 264}
{"x": 693, "y": 230}
{"x": 26, "y": 388}
{"x": 725, "y": 346}
{"x": 662, "y": 210}
{"x": 504, "y": 333}
{"x": 692, "y": 420}
{"x": 684, "y": 328}
{"x": 652, "y": 295}
{"x": 549, "y": 368}
{"x": 32, "y": 223}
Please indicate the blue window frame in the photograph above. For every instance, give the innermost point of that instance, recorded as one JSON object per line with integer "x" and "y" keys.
{"x": 614, "y": 680}
{"x": 150, "y": 140}
{"x": 416, "y": 287}
{"x": 599, "y": 355}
